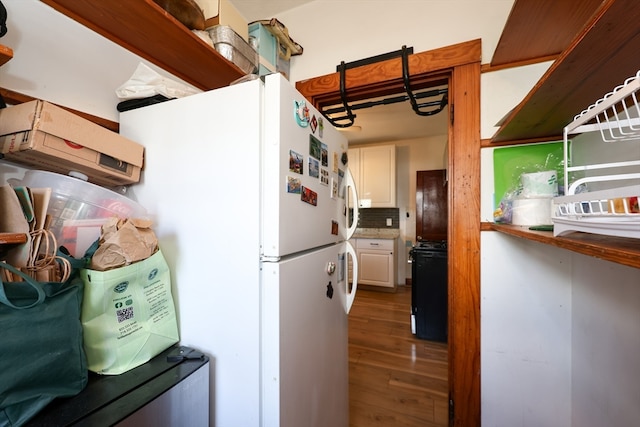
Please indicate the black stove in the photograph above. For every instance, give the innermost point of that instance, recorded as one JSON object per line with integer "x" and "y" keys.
{"x": 429, "y": 292}
{"x": 438, "y": 245}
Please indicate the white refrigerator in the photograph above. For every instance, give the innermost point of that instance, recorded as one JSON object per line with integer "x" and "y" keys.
{"x": 247, "y": 187}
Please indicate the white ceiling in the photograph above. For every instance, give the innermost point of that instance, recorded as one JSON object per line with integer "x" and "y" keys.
{"x": 384, "y": 123}
{"x": 254, "y": 10}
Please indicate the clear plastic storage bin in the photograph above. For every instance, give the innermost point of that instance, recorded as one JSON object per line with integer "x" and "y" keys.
{"x": 76, "y": 203}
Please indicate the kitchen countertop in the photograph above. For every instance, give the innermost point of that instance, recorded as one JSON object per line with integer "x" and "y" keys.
{"x": 376, "y": 233}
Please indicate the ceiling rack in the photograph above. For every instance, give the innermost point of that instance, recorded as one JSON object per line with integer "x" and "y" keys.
{"x": 347, "y": 118}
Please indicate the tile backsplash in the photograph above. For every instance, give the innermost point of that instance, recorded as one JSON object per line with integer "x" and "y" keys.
{"x": 377, "y": 218}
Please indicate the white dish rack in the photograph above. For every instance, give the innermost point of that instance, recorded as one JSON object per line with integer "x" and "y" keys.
{"x": 614, "y": 211}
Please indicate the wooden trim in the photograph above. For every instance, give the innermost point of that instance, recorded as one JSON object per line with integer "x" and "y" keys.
{"x": 6, "y": 54}
{"x": 459, "y": 65}
{"x": 384, "y": 78}
{"x": 12, "y": 238}
{"x": 621, "y": 250}
{"x": 486, "y": 226}
{"x": 488, "y": 143}
{"x": 464, "y": 246}
{"x": 488, "y": 68}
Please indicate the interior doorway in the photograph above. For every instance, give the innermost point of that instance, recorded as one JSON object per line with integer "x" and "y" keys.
{"x": 431, "y": 205}
{"x": 459, "y": 67}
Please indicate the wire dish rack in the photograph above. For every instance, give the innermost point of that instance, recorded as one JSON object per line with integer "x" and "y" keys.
{"x": 613, "y": 211}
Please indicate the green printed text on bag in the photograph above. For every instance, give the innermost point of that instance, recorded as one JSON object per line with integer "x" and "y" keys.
{"x": 128, "y": 315}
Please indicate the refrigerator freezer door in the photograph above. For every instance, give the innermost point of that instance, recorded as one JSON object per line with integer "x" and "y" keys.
{"x": 303, "y": 204}
{"x": 304, "y": 344}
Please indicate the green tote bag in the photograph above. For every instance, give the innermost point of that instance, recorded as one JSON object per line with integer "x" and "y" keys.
{"x": 41, "y": 349}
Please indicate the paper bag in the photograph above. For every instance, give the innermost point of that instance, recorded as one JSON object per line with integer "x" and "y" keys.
{"x": 123, "y": 242}
{"x": 12, "y": 220}
{"x": 128, "y": 315}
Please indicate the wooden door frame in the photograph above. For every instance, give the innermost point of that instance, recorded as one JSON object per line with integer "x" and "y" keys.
{"x": 459, "y": 65}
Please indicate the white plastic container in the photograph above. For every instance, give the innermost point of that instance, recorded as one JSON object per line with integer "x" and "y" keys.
{"x": 74, "y": 200}
{"x": 539, "y": 184}
{"x": 532, "y": 211}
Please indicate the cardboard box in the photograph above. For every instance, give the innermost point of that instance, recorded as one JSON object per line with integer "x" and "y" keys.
{"x": 222, "y": 12}
{"x": 42, "y": 135}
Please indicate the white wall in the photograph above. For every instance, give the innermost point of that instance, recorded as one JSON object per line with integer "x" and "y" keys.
{"x": 602, "y": 300}
{"x": 332, "y": 31}
{"x": 605, "y": 343}
{"x": 559, "y": 339}
{"x": 525, "y": 333}
{"x": 58, "y": 60}
{"x": 502, "y": 90}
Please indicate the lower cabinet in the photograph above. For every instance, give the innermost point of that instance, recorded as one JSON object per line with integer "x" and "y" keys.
{"x": 376, "y": 262}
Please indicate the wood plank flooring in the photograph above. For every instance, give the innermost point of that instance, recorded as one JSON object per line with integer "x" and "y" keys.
{"x": 395, "y": 379}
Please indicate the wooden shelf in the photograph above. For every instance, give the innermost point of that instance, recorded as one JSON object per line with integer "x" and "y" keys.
{"x": 145, "y": 29}
{"x": 12, "y": 238}
{"x": 9, "y": 240}
{"x": 6, "y": 53}
{"x": 600, "y": 57}
{"x": 540, "y": 29}
{"x": 625, "y": 251}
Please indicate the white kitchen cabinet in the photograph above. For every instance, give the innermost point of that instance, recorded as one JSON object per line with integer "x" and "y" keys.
{"x": 376, "y": 262}
{"x": 374, "y": 172}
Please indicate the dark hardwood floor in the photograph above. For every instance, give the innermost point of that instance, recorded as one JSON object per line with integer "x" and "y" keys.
{"x": 395, "y": 379}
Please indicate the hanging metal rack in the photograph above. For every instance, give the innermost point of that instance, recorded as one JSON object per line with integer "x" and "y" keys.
{"x": 342, "y": 116}
{"x": 601, "y": 196}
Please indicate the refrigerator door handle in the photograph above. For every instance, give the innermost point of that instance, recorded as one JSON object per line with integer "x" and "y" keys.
{"x": 351, "y": 294}
{"x": 351, "y": 187}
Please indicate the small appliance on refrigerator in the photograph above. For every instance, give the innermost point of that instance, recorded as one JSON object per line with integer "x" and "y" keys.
{"x": 247, "y": 185}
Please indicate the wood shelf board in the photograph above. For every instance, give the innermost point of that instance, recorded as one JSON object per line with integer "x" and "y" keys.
{"x": 145, "y": 29}
{"x": 625, "y": 251}
{"x": 12, "y": 238}
{"x": 6, "y": 53}
{"x": 541, "y": 28}
{"x": 601, "y": 57}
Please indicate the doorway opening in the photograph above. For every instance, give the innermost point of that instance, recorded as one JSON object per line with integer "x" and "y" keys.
{"x": 459, "y": 66}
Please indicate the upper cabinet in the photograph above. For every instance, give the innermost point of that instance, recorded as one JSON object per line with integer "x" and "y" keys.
{"x": 147, "y": 30}
{"x": 603, "y": 54}
{"x": 374, "y": 172}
